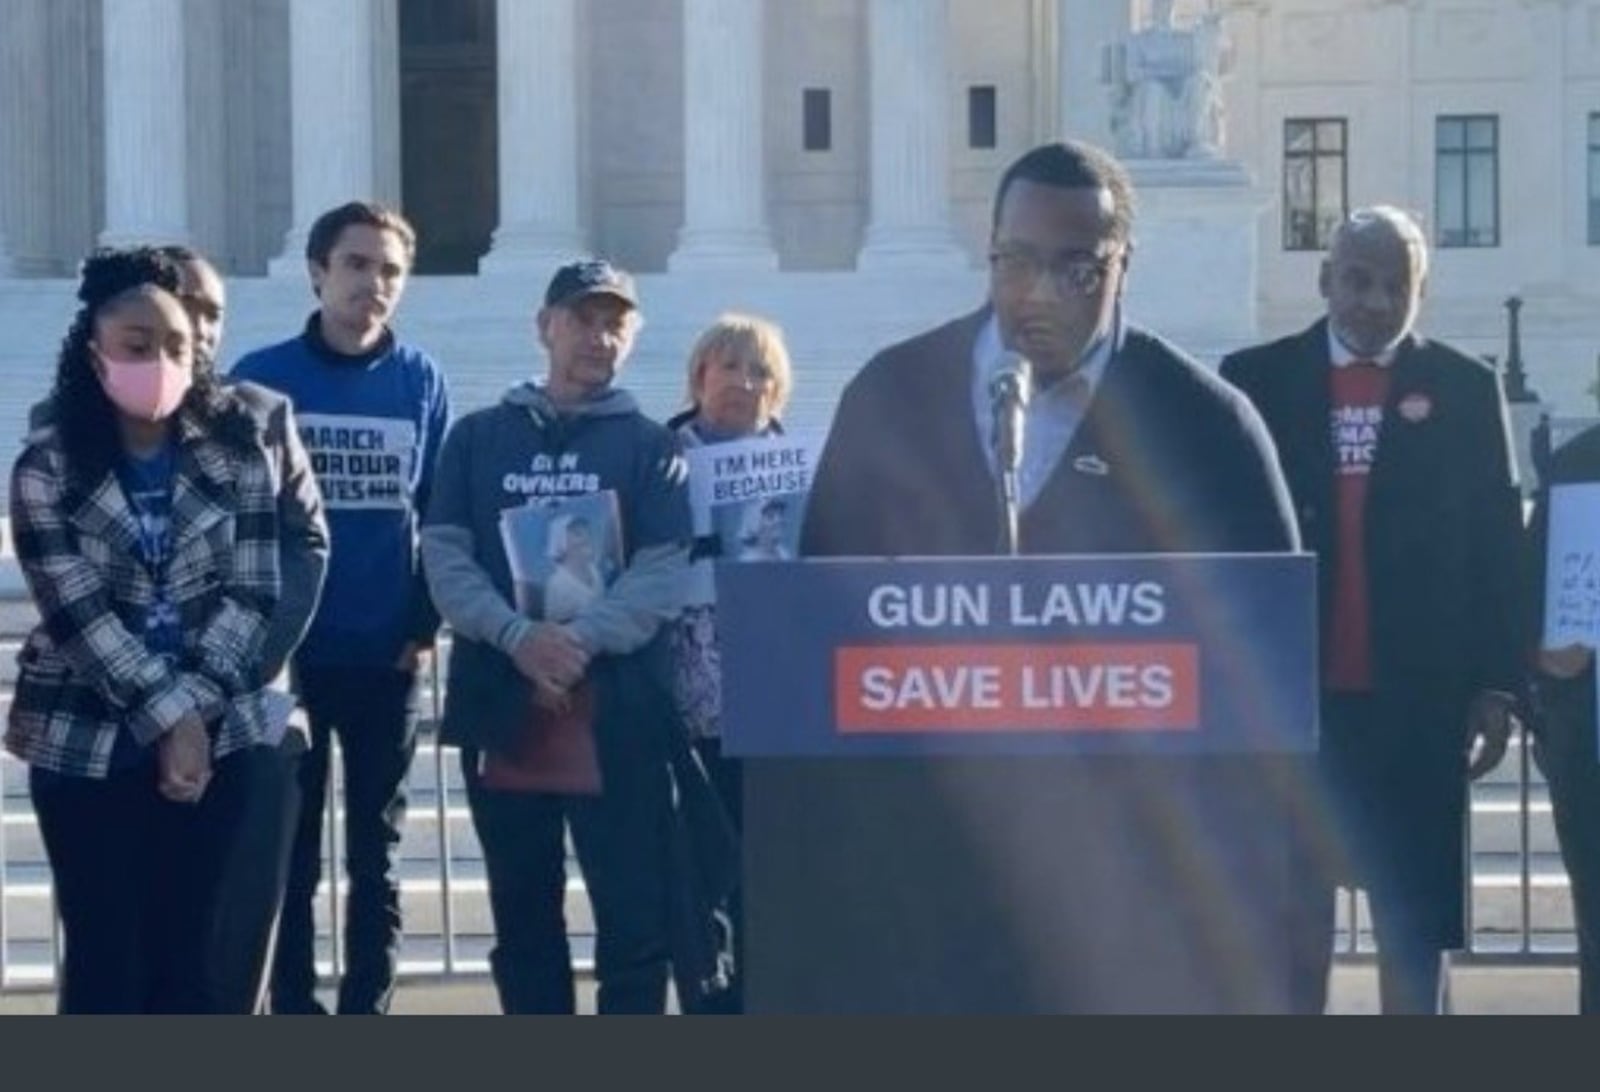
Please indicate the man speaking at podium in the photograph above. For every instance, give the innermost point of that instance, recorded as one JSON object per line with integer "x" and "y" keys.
{"x": 1045, "y": 423}
{"x": 1127, "y": 444}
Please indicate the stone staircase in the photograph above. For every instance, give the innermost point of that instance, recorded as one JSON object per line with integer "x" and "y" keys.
{"x": 481, "y": 329}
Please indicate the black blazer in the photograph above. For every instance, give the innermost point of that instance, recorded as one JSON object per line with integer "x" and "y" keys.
{"x": 1443, "y": 518}
{"x": 1166, "y": 459}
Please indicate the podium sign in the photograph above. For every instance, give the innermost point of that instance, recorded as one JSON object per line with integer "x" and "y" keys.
{"x": 1019, "y": 785}
{"x": 1021, "y": 656}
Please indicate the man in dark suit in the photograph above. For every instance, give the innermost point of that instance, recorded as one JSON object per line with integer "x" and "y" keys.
{"x": 267, "y": 802}
{"x": 1398, "y": 456}
{"x": 1129, "y": 446}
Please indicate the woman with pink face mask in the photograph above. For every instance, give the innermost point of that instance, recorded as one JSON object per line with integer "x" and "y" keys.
{"x": 144, "y": 513}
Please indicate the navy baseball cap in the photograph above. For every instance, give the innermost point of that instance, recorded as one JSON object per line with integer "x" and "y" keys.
{"x": 589, "y": 277}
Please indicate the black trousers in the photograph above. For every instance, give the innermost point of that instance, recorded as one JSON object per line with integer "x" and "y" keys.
{"x": 1357, "y": 830}
{"x": 620, "y": 839}
{"x": 1566, "y": 751}
{"x": 727, "y": 777}
{"x": 136, "y": 878}
{"x": 250, "y": 892}
{"x": 373, "y": 712}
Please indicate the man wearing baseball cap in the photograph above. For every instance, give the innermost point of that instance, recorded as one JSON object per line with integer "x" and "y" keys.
{"x": 519, "y": 681}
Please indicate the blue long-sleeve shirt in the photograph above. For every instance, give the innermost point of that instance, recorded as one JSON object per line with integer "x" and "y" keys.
{"x": 373, "y": 425}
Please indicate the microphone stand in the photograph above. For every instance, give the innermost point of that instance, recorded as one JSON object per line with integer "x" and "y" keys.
{"x": 1009, "y": 507}
{"x": 1009, "y": 392}
{"x": 1008, "y": 458}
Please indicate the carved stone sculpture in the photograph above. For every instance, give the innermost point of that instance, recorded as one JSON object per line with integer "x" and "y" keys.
{"x": 1166, "y": 86}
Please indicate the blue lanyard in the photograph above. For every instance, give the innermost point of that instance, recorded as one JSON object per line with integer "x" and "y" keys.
{"x": 142, "y": 480}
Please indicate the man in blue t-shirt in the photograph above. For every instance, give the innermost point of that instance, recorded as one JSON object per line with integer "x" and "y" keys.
{"x": 372, "y": 413}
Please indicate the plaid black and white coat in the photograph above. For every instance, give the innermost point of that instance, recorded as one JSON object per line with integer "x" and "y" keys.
{"x": 85, "y": 674}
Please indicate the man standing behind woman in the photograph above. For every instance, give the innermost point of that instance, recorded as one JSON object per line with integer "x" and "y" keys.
{"x": 244, "y": 919}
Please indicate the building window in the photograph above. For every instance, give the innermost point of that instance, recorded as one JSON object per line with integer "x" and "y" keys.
{"x": 1315, "y": 181}
{"x": 1594, "y": 179}
{"x": 816, "y": 112}
{"x": 1467, "y": 180}
{"x": 980, "y": 117}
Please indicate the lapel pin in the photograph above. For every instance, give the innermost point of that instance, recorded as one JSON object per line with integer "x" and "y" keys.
{"x": 1091, "y": 464}
{"x": 1416, "y": 408}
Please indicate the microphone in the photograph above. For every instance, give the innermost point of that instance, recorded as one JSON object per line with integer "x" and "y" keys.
{"x": 1009, "y": 390}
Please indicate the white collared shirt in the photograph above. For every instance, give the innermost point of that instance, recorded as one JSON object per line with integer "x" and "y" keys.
{"x": 1054, "y": 412}
{"x": 1342, "y": 355}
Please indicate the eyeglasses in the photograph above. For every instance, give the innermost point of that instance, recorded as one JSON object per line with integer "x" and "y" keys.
{"x": 1072, "y": 275}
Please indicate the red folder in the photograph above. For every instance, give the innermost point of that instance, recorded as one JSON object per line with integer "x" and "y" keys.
{"x": 555, "y": 752}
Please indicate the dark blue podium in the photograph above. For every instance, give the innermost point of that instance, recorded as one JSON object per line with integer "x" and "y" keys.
{"x": 1019, "y": 785}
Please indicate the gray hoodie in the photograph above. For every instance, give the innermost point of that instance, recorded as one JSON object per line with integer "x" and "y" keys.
{"x": 525, "y": 448}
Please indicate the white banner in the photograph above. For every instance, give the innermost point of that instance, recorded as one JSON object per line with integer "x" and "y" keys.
{"x": 750, "y": 495}
{"x": 1572, "y": 567}
{"x": 361, "y": 462}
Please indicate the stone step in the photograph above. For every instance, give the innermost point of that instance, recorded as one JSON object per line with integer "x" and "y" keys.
{"x": 421, "y": 780}
{"x": 29, "y": 964}
{"x": 9, "y": 647}
{"x": 419, "y": 841}
{"x": 1496, "y": 806}
{"x": 28, "y": 905}
{"x": 430, "y": 692}
{"x": 479, "y": 331}
{"x": 1497, "y": 820}
{"x": 17, "y": 615}
{"x": 1497, "y": 923}
{"x": 1509, "y": 770}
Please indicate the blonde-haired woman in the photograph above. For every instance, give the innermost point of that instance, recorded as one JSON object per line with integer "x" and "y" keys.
{"x": 739, "y": 379}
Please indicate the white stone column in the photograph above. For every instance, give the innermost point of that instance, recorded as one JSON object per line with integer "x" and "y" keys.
{"x": 387, "y": 167}
{"x": 24, "y": 136}
{"x": 146, "y": 123}
{"x": 13, "y": 143}
{"x": 1581, "y": 262}
{"x": 1084, "y": 28}
{"x": 333, "y": 115}
{"x": 536, "y": 62}
{"x": 724, "y": 162}
{"x": 910, "y": 224}
{"x": 1541, "y": 231}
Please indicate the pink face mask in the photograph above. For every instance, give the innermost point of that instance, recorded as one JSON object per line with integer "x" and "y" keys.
{"x": 150, "y": 390}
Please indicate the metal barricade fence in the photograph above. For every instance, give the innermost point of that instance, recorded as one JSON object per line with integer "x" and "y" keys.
{"x": 1518, "y": 909}
{"x": 1517, "y": 915}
